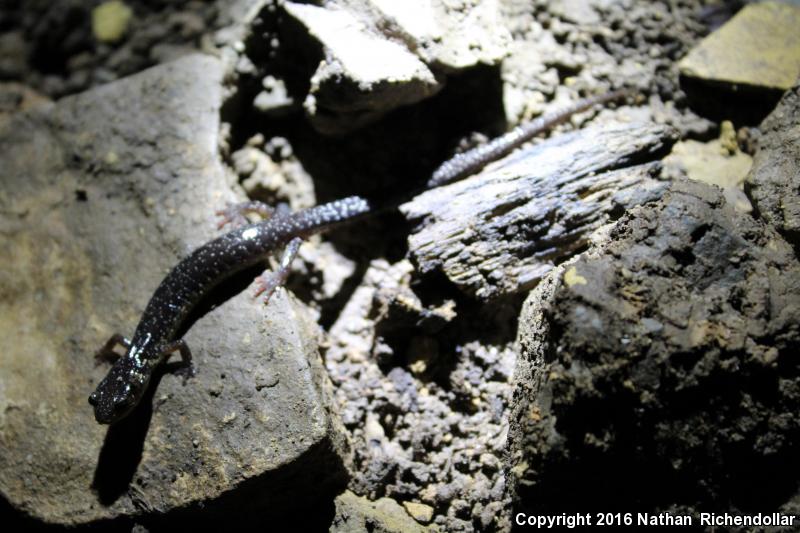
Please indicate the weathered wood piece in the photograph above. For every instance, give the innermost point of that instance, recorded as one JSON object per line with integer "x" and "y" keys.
{"x": 500, "y": 231}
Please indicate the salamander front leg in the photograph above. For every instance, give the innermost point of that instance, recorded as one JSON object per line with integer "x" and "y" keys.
{"x": 107, "y": 353}
{"x": 235, "y": 214}
{"x": 180, "y": 345}
{"x": 269, "y": 281}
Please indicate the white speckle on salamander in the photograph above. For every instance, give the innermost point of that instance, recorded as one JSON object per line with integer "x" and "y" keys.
{"x": 250, "y": 233}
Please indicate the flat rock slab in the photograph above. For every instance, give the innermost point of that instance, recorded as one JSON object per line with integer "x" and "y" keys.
{"x": 500, "y": 231}
{"x": 774, "y": 181}
{"x": 660, "y": 367}
{"x": 101, "y": 194}
{"x": 759, "y": 47}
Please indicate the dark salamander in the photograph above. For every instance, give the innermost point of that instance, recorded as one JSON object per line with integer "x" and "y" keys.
{"x": 207, "y": 266}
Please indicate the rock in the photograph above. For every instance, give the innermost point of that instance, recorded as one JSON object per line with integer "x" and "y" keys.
{"x": 759, "y": 47}
{"x": 717, "y": 162}
{"x": 102, "y": 193}
{"x": 538, "y": 206}
{"x": 16, "y": 97}
{"x": 355, "y": 514}
{"x": 381, "y": 55}
{"x": 264, "y": 179}
{"x": 13, "y": 55}
{"x": 419, "y": 511}
{"x": 774, "y": 180}
{"x": 363, "y": 73}
{"x": 578, "y": 11}
{"x": 274, "y": 99}
{"x": 739, "y": 72}
{"x": 110, "y": 21}
{"x": 448, "y": 36}
{"x": 659, "y": 368}
{"x": 164, "y": 53}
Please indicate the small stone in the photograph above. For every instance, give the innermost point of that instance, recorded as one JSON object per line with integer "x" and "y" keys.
{"x": 422, "y": 352}
{"x": 110, "y": 21}
{"x": 274, "y": 99}
{"x": 581, "y": 12}
{"x": 355, "y": 514}
{"x": 571, "y": 277}
{"x": 419, "y": 511}
{"x": 718, "y": 162}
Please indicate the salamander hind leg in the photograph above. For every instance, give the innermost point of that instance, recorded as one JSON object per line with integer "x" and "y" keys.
{"x": 236, "y": 214}
{"x": 107, "y": 353}
{"x": 269, "y": 281}
{"x": 187, "y": 370}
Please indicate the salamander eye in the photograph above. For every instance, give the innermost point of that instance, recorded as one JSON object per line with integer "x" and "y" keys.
{"x": 93, "y": 399}
{"x": 123, "y": 401}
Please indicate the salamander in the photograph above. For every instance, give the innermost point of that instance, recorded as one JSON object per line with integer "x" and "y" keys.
{"x": 202, "y": 270}
{"x": 468, "y": 163}
{"x": 207, "y": 266}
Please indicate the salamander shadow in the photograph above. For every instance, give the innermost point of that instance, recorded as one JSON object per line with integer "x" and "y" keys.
{"x": 122, "y": 449}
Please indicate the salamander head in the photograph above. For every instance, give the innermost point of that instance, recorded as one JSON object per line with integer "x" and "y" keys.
{"x": 118, "y": 392}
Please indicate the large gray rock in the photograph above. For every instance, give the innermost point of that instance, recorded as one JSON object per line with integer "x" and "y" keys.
{"x": 500, "y": 231}
{"x": 660, "y": 368}
{"x": 774, "y": 181}
{"x": 101, "y": 195}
